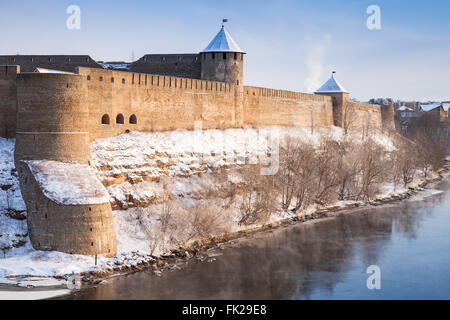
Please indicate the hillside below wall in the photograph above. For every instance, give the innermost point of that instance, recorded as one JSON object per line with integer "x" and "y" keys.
{"x": 159, "y": 103}
{"x": 266, "y": 107}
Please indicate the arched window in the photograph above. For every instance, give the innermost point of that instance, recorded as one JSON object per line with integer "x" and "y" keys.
{"x": 119, "y": 118}
{"x": 105, "y": 119}
{"x": 133, "y": 119}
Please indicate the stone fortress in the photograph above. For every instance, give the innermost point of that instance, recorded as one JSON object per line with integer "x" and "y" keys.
{"x": 56, "y": 105}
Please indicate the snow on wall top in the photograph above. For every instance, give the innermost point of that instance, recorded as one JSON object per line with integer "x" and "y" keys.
{"x": 404, "y": 108}
{"x": 43, "y": 70}
{"x": 68, "y": 184}
{"x": 430, "y": 106}
{"x": 223, "y": 42}
{"x": 331, "y": 86}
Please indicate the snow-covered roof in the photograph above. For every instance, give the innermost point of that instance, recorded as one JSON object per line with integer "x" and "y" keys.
{"x": 222, "y": 42}
{"x": 404, "y": 108}
{"x": 43, "y": 70}
{"x": 446, "y": 106}
{"x": 331, "y": 86}
{"x": 68, "y": 184}
{"x": 430, "y": 106}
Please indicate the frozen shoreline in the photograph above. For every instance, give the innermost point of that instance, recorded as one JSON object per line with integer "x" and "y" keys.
{"x": 26, "y": 264}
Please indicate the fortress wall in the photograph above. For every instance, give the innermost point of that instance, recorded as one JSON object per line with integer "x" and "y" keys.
{"x": 28, "y": 63}
{"x": 365, "y": 115}
{"x": 180, "y": 65}
{"x": 52, "y": 118}
{"x": 77, "y": 229}
{"x": 8, "y": 100}
{"x": 159, "y": 103}
{"x": 53, "y": 125}
{"x": 265, "y": 107}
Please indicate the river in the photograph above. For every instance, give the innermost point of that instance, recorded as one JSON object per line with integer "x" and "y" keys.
{"x": 322, "y": 259}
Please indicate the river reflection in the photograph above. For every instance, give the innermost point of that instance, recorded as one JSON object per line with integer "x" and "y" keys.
{"x": 324, "y": 259}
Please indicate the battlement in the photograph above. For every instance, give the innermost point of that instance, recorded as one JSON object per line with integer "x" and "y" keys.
{"x": 276, "y": 93}
{"x": 119, "y": 79}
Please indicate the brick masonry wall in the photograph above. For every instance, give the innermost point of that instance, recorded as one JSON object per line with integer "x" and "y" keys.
{"x": 8, "y": 100}
{"x": 52, "y": 118}
{"x": 264, "y": 107}
{"x": 365, "y": 115}
{"x": 159, "y": 103}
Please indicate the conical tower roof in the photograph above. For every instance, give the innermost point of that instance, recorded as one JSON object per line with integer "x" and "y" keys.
{"x": 222, "y": 42}
{"x": 332, "y": 86}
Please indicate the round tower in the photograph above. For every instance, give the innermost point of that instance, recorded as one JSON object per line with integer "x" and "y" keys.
{"x": 52, "y": 118}
{"x": 52, "y": 154}
{"x": 222, "y": 60}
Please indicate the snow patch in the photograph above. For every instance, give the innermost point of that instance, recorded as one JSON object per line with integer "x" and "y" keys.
{"x": 68, "y": 184}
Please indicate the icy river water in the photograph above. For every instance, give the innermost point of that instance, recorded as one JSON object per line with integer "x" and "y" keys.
{"x": 323, "y": 259}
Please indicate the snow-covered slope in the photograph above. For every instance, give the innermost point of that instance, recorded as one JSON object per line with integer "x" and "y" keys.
{"x": 67, "y": 183}
{"x": 137, "y": 168}
{"x": 13, "y": 226}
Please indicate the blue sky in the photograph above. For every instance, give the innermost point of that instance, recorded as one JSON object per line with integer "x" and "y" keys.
{"x": 290, "y": 44}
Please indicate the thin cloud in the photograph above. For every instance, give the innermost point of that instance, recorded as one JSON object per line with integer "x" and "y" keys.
{"x": 316, "y": 50}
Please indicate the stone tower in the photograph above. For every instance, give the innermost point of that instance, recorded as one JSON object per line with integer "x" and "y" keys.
{"x": 339, "y": 95}
{"x": 52, "y": 156}
{"x": 222, "y": 60}
{"x": 387, "y": 114}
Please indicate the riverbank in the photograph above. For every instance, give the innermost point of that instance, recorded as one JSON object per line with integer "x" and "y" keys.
{"x": 134, "y": 199}
{"x": 319, "y": 259}
{"x": 42, "y": 287}
{"x": 198, "y": 250}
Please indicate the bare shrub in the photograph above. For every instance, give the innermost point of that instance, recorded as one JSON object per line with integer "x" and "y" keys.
{"x": 143, "y": 215}
{"x": 258, "y": 197}
{"x": 405, "y": 160}
{"x": 325, "y": 172}
{"x": 293, "y": 178}
{"x": 349, "y": 116}
{"x": 430, "y": 152}
{"x": 207, "y": 220}
{"x": 348, "y": 172}
{"x": 167, "y": 210}
{"x": 371, "y": 167}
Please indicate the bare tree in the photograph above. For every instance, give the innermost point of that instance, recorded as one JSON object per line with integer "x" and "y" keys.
{"x": 325, "y": 171}
{"x": 348, "y": 116}
{"x": 258, "y": 197}
{"x": 294, "y": 175}
{"x": 371, "y": 167}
